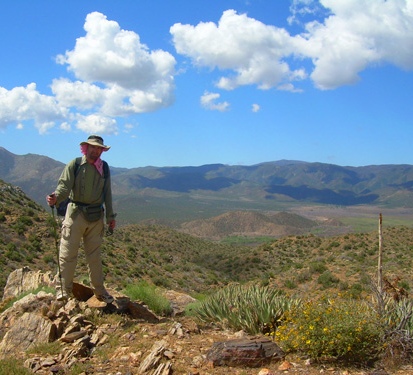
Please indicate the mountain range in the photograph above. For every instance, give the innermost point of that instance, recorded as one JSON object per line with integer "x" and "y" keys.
{"x": 181, "y": 194}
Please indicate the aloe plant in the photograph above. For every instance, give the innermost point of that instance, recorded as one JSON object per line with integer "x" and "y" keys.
{"x": 253, "y": 308}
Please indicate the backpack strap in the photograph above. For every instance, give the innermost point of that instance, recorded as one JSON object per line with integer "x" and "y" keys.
{"x": 105, "y": 176}
{"x": 77, "y": 165}
{"x": 105, "y": 170}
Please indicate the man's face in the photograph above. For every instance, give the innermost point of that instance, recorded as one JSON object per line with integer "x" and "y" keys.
{"x": 93, "y": 152}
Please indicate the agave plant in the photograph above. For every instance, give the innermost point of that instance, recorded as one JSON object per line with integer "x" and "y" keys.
{"x": 251, "y": 308}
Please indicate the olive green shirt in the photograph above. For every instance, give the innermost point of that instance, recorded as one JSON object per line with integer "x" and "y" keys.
{"x": 87, "y": 187}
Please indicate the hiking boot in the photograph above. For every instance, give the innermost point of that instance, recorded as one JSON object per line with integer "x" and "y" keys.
{"x": 106, "y": 297}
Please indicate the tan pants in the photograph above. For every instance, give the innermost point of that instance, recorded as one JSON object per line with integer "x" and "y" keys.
{"x": 75, "y": 228}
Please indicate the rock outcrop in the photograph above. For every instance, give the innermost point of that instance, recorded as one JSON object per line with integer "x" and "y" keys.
{"x": 37, "y": 319}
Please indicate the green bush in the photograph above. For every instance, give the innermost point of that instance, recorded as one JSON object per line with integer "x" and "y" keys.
{"x": 13, "y": 366}
{"x": 317, "y": 267}
{"x": 326, "y": 329}
{"x": 290, "y": 284}
{"x": 254, "y": 309}
{"x": 327, "y": 279}
{"x": 150, "y": 296}
{"x": 161, "y": 281}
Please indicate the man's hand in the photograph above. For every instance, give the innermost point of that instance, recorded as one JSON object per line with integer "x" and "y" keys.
{"x": 51, "y": 199}
{"x": 112, "y": 224}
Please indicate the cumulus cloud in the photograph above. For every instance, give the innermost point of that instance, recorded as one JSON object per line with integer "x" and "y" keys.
{"x": 95, "y": 123}
{"x": 26, "y": 103}
{"x": 208, "y": 101}
{"x": 112, "y": 55}
{"x": 302, "y": 10}
{"x": 358, "y": 34}
{"x": 347, "y": 37}
{"x": 116, "y": 75}
{"x": 253, "y": 51}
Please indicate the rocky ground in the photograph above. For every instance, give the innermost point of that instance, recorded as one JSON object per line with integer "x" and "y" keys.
{"x": 125, "y": 338}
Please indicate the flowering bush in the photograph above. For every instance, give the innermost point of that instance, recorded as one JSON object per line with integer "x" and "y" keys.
{"x": 332, "y": 328}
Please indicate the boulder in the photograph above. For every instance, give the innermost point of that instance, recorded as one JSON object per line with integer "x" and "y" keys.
{"x": 244, "y": 352}
{"x": 28, "y": 330}
{"x": 24, "y": 280}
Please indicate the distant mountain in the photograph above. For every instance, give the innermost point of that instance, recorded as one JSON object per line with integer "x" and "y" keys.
{"x": 35, "y": 174}
{"x": 183, "y": 194}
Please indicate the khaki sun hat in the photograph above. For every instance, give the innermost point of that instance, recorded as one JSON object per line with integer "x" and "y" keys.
{"x": 95, "y": 140}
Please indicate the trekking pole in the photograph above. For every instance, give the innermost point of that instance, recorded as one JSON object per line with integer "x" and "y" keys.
{"x": 56, "y": 239}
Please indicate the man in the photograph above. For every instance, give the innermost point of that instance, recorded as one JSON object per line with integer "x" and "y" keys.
{"x": 86, "y": 181}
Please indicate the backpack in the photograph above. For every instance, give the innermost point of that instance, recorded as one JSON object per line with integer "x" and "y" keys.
{"x": 62, "y": 207}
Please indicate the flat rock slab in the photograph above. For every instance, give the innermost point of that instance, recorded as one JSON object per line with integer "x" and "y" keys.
{"x": 245, "y": 352}
{"x": 82, "y": 292}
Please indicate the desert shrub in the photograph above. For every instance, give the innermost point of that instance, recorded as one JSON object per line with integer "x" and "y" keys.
{"x": 327, "y": 279}
{"x": 332, "y": 329}
{"x": 161, "y": 281}
{"x": 356, "y": 290}
{"x": 11, "y": 246}
{"x": 290, "y": 284}
{"x": 20, "y": 228}
{"x": 12, "y": 252}
{"x": 398, "y": 322}
{"x": 254, "y": 309}
{"x": 49, "y": 258}
{"x": 149, "y": 295}
{"x": 35, "y": 243}
{"x": 317, "y": 267}
{"x": 47, "y": 348}
{"x": 25, "y": 220}
{"x": 13, "y": 366}
{"x": 303, "y": 276}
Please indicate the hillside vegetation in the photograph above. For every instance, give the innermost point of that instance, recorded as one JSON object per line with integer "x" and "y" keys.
{"x": 298, "y": 264}
{"x": 314, "y": 295}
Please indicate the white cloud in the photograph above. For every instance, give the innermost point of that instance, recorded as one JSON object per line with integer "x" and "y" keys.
{"x": 359, "y": 34}
{"x": 81, "y": 95}
{"x": 252, "y": 50}
{"x": 128, "y": 128}
{"x": 208, "y": 102}
{"x": 350, "y": 36}
{"x": 97, "y": 124}
{"x": 66, "y": 127}
{"x": 256, "y": 108}
{"x": 124, "y": 66}
{"x": 22, "y": 104}
{"x": 304, "y": 9}
{"x": 116, "y": 75}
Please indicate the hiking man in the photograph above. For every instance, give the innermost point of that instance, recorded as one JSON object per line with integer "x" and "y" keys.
{"x": 86, "y": 180}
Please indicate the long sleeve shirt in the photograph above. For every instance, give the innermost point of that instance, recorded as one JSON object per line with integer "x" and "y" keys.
{"x": 86, "y": 186}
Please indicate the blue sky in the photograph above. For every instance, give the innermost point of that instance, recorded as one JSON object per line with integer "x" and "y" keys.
{"x": 193, "y": 82}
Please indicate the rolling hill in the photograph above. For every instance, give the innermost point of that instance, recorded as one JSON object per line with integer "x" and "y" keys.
{"x": 299, "y": 264}
{"x": 176, "y": 195}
